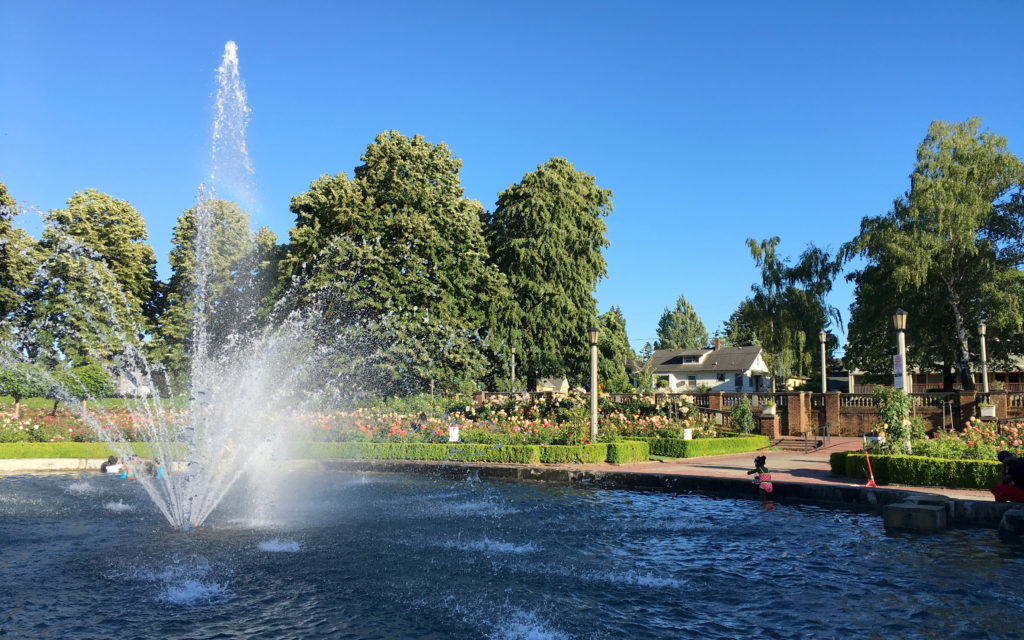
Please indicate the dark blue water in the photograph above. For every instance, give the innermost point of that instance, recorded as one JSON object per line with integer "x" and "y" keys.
{"x": 384, "y": 556}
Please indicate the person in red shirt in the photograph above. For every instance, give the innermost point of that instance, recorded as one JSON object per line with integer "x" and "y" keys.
{"x": 1011, "y": 479}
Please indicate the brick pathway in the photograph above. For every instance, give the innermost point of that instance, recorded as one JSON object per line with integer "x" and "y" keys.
{"x": 786, "y": 466}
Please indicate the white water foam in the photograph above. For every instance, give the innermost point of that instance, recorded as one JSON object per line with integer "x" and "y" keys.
{"x": 81, "y": 488}
{"x": 118, "y": 507}
{"x": 277, "y": 545}
{"x": 525, "y": 625}
{"x": 189, "y": 592}
{"x": 491, "y": 547}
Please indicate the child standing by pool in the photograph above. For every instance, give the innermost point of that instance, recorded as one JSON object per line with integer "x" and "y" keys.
{"x": 762, "y": 477}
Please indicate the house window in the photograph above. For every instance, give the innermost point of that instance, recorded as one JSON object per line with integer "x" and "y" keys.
{"x": 738, "y": 379}
{"x": 721, "y": 377}
{"x": 691, "y": 381}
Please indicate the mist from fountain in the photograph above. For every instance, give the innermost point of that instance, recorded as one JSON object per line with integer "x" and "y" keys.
{"x": 248, "y": 388}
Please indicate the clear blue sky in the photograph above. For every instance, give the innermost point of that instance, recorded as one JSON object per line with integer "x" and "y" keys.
{"x": 710, "y": 122}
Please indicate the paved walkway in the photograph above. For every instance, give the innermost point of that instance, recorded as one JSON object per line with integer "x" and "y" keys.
{"x": 786, "y": 466}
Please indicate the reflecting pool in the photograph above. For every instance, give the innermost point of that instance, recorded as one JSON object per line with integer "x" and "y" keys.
{"x": 330, "y": 555}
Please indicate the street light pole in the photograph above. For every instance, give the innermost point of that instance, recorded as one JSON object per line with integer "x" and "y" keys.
{"x": 513, "y": 385}
{"x": 824, "y": 379}
{"x": 899, "y": 320}
{"x": 594, "y": 334}
{"x": 984, "y": 358}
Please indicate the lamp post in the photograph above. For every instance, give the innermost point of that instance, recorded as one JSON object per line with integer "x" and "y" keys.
{"x": 984, "y": 358}
{"x": 594, "y": 334}
{"x": 824, "y": 379}
{"x": 899, "y": 320}
{"x": 512, "y": 386}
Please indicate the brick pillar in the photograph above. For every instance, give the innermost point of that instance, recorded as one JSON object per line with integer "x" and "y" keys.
{"x": 968, "y": 408}
{"x": 769, "y": 426}
{"x": 796, "y": 412}
{"x": 715, "y": 400}
{"x": 999, "y": 399}
{"x": 832, "y": 409}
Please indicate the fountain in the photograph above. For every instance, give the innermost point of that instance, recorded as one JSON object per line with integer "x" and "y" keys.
{"x": 246, "y": 384}
{"x": 363, "y": 555}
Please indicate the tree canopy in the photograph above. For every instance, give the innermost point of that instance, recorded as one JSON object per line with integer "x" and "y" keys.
{"x": 613, "y": 352}
{"x": 788, "y": 309}
{"x": 681, "y": 328}
{"x": 546, "y": 236}
{"x": 397, "y": 259}
{"x": 951, "y": 249}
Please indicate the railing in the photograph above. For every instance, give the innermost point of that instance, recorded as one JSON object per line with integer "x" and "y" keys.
{"x": 937, "y": 400}
{"x": 1015, "y": 400}
{"x": 857, "y": 400}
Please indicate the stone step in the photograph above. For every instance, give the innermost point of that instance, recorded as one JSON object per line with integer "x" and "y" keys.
{"x": 794, "y": 443}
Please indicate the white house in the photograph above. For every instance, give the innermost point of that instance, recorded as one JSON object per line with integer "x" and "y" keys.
{"x": 732, "y": 369}
{"x": 557, "y": 386}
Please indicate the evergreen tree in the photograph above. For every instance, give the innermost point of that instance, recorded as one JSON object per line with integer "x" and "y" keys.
{"x": 546, "y": 235}
{"x": 613, "y": 352}
{"x": 681, "y": 328}
{"x": 396, "y": 259}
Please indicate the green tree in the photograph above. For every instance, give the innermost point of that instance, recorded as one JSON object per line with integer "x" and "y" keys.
{"x": 19, "y": 256}
{"x": 117, "y": 232}
{"x": 20, "y": 380}
{"x": 228, "y": 267}
{"x": 396, "y": 259}
{"x": 76, "y": 310}
{"x": 546, "y": 235}
{"x": 788, "y": 309}
{"x": 954, "y": 242}
{"x": 613, "y": 352}
{"x": 681, "y": 328}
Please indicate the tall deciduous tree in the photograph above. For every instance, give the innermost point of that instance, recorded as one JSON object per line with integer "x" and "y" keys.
{"x": 788, "y": 309}
{"x": 546, "y": 235}
{"x": 681, "y": 328}
{"x": 117, "y": 232}
{"x": 19, "y": 256}
{"x": 92, "y": 298}
{"x": 401, "y": 252}
{"x": 952, "y": 246}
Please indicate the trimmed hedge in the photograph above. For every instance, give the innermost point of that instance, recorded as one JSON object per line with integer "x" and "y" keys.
{"x": 677, "y": 448}
{"x": 628, "y": 451}
{"x": 920, "y": 471}
{"x": 573, "y": 454}
{"x": 617, "y": 452}
{"x": 522, "y": 454}
{"x": 21, "y": 450}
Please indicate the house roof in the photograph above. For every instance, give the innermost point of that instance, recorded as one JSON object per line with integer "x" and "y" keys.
{"x": 712, "y": 360}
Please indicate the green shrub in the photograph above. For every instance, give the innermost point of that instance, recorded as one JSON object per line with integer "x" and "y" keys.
{"x": 626, "y": 451}
{"x": 21, "y": 450}
{"x": 857, "y": 467}
{"x": 677, "y": 448}
{"x": 924, "y": 472}
{"x": 742, "y": 416}
{"x": 837, "y": 462}
{"x": 522, "y": 454}
{"x": 580, "y": 453}
{"x": 954, "y": 449}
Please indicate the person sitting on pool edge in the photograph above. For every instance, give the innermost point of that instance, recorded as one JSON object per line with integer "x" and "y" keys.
{"x": 110, "y": 465}
{"x": 762, "y": 477}
{"x": 1011, "y": 479}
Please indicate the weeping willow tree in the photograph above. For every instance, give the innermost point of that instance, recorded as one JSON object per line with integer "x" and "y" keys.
{"x": 787, "y": 308}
